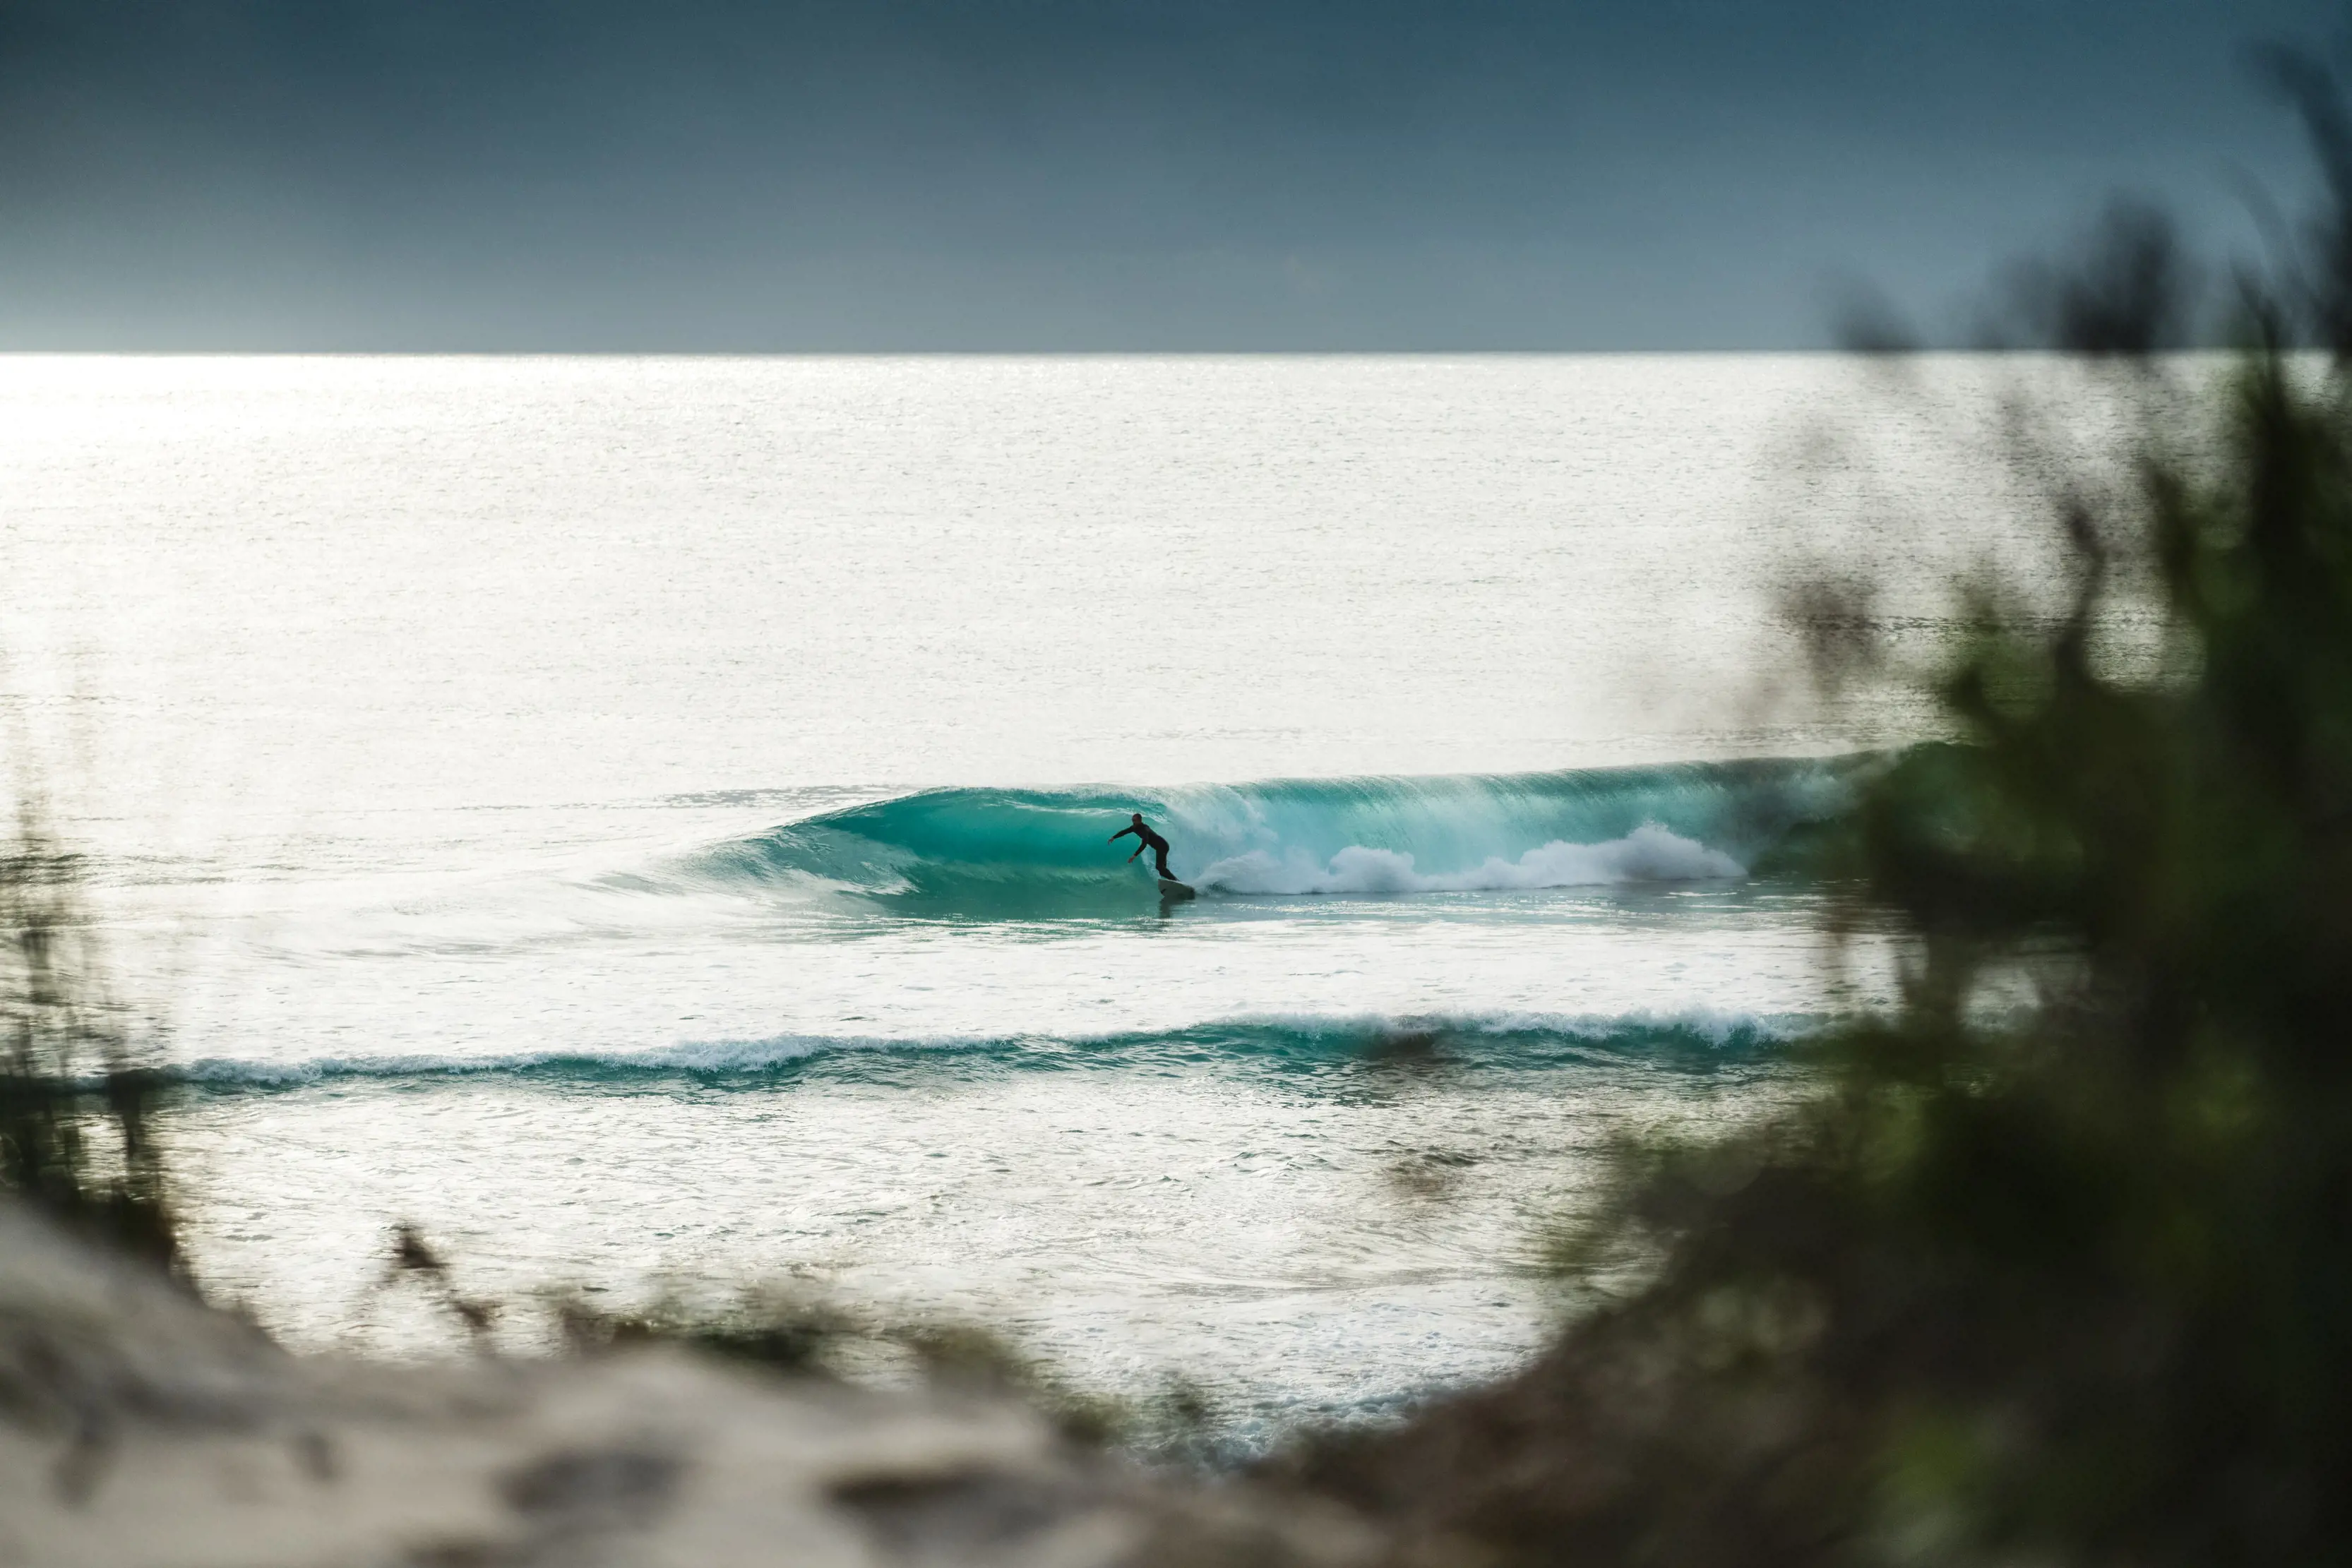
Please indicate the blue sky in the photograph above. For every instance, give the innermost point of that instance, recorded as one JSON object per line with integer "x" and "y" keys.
{"x": 1052, "y": 174}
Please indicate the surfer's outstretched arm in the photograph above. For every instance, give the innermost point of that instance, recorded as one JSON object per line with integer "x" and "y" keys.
{"x": 1122, "y": 834}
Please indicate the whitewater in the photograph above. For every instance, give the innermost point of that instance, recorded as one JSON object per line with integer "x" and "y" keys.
{"x": 645, "y": 821}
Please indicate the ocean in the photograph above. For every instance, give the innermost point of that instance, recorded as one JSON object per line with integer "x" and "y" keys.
{"x": 645, "y": 821}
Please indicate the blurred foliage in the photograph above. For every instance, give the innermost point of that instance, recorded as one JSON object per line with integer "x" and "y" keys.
{"x": 75, "y": 1138}
{"x": 798, "y": 1332}
{"x": 778, "y": 1330}
{"x": 2058, "y": 1266}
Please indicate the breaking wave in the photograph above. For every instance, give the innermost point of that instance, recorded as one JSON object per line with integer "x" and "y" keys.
{"x": 984, "y": 849}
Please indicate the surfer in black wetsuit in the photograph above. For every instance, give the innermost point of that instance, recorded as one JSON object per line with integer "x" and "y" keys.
{"x": 1145, "y": 839}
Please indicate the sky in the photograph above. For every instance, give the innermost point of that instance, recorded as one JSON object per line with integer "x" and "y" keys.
{"x": 1051, "y": 176}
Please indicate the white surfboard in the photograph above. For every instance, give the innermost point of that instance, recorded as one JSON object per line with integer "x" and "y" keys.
{"x": 1171, "y": 888}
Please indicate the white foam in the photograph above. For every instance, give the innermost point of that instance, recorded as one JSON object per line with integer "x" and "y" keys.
{"x": 1648, "y": 854}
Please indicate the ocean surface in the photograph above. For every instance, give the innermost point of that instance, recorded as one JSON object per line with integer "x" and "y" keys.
{"x": 644, "y": 820}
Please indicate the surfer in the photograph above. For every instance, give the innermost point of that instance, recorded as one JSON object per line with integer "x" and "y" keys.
{"x": 1145, "y": 839}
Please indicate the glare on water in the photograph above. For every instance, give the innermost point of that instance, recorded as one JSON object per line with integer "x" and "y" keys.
{"x": 396, "y": 699}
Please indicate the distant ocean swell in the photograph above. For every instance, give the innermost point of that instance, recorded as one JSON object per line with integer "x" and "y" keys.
{"x": 1487, "y": 1041}
{"x": 978, "y": 847}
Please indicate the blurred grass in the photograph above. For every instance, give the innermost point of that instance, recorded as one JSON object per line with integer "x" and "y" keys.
{"x": 797, "y": 1333}
{"x": 75, "y": 1138}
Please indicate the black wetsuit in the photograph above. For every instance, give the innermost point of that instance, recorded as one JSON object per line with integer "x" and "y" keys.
{"x": 1148, "y": 840}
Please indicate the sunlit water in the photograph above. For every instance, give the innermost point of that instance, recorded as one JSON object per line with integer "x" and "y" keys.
{"x": 496, "y": 778}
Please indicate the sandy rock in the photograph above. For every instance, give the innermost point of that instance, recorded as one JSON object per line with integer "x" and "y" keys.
{"x": 139, "y": 1428}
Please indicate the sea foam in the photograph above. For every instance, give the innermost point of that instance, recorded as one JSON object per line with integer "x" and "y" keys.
{"x": 1648, "y": 854}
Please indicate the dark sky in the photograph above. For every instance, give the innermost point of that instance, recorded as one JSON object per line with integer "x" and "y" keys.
{"x": 1051, "y": 174}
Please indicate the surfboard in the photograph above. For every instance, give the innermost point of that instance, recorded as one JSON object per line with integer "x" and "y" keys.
{"x": 1172, "y": 888}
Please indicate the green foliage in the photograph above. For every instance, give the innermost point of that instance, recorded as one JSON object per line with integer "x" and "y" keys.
{"x": 2140, "y": 1191}
{"x": 74, "y": 1133}
{"x": 2058, "y": 1268}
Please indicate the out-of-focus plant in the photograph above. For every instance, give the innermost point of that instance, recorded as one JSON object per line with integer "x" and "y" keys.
{"x": 75, "y": 1138}
{"x": 808, "y": 1334}
{"x": 2058, "y": 1268}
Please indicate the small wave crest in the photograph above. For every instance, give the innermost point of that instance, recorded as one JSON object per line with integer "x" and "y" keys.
{"x": 1496, "y": 1039}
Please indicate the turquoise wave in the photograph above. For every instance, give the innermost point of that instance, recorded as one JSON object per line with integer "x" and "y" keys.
{"x": 983, "y": 849}
{"x": 1505, "y": 1041}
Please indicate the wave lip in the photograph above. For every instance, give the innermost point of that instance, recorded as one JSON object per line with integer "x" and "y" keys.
{"x": 1001, "y": 851}
{"x": 1492, "y": 1040}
